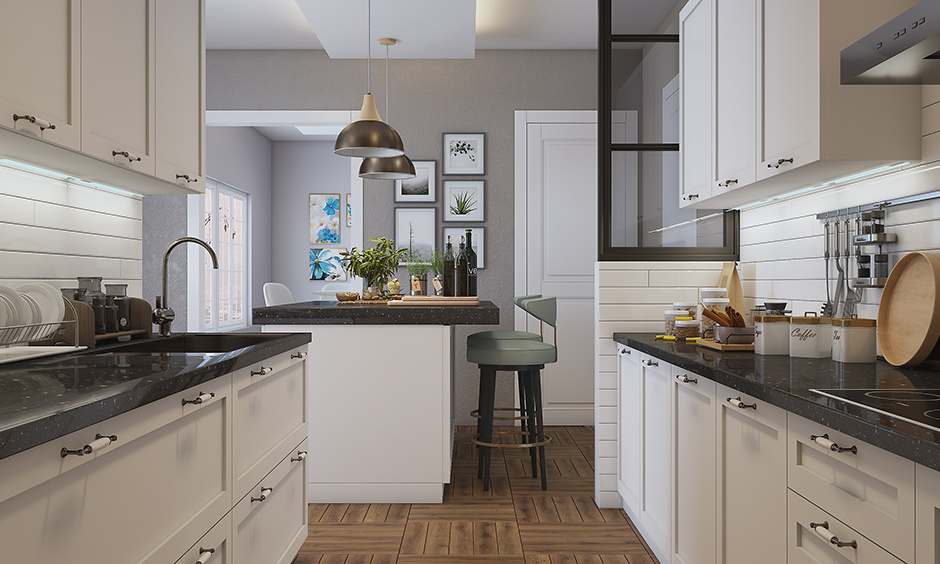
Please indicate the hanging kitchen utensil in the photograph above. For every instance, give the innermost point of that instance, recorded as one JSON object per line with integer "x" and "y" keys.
{"x": 837, "y": 300}
{"x": 828, "y": 306}
{"x": 851, "y": 297}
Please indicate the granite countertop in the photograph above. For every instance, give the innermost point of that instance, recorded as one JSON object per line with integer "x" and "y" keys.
{"x": 47, "y": 398}
{"x": 336, "y": 313}
{"x": 786, "y": 383}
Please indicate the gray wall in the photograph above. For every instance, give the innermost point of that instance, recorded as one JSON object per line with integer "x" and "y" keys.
{"x": 429, "y": 97}
{"x": 164, "y": 221}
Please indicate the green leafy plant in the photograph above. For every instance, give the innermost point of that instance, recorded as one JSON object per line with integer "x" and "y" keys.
{"x": 463, "y": 148}
{"x": 418, "y": 265}
{"x": 375, "y": 265}
{"x": 463, "y": 204}
{"x": 437, "y": 262}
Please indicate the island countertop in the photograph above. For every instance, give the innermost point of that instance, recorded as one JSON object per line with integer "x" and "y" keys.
{"x": 336, "y": 313}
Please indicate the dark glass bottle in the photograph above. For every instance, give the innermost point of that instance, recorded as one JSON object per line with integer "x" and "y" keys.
{"x": 460, "y": 273}
{"x": 449, "y": 269}
{"x": 471, "y": 266}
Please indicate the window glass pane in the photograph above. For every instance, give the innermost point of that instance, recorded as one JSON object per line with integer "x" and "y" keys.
{"x": 642, "y": 74}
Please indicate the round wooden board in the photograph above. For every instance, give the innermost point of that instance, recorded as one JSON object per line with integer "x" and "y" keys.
{"x": 909, "y": 314}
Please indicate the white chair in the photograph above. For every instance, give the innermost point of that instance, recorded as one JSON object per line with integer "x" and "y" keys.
{"x": 277, "y": 294}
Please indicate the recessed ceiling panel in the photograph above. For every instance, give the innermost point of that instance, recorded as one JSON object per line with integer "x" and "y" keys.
{"x": 425, "y": 29}
{"x": 537, "y": 24}
{"x": 250, "y": 24}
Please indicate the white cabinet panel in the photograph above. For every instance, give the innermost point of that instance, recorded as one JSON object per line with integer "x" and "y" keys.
{"x": 697, "y": 87}
{"x": 217, "y": 542}
{"x": 630, "y": 421}
{"x": 656, "y": 500}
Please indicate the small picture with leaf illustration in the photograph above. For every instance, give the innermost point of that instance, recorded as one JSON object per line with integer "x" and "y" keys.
{"x": 463, "y": 153}
{"x": 463, "y": 200}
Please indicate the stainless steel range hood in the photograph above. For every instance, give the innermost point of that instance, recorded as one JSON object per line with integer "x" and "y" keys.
{"x": 905, "y": 50}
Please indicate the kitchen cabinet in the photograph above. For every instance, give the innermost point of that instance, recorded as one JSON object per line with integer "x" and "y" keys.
{"x": 42, "y": 81}
{"x": 215, "y": 547}
{"x": 752, "y": 479}
{"x": 629, "y": 429}
{"x": 927, "y": 501}
{"x": 656, "y": 455}
{"x": 696, "y": 91}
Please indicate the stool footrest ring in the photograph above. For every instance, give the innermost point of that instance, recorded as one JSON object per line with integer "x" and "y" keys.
{"x": 476, "y": 414}
{"x": 475, "y": 439}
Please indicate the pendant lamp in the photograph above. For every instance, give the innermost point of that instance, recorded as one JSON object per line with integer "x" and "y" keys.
{"x": 387, "y": 168}
{"x": 369, "y": 136}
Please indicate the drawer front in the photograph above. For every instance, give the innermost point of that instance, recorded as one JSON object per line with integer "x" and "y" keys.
{"x": 271, "y": 530}
{"x": 270, "y": 416}
{"x": 175, "y": 475}
{"x": 870, "y": 489}
{"x": 215, "y": 547}
{"x": 810, "y": 538}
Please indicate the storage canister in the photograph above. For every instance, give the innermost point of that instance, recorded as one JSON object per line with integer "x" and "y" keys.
{"x": 714, "y": 304}
{"x": 772, "y": 334}
{"x": 687, "y": 329}
{"x": 810, "y": 336}
{"x": 670, "y": 316}
{"x": 711, "y": 293}
{"x": 853, "y": 340}
{"x": 690, "y": 307}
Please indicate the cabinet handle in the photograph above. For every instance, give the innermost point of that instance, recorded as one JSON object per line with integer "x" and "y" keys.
{"x": 822, "y": 529}
{"x": 264, "y": 495}
{"x": 686, "y": 380}
{"x": 738, "y": 403}
{"x": 690, "y": 197}
{"x": 201, "y": 398}
{"x": 301, "y": 455}
{"x": 43, "y": 124}
{"x": 728, "y": 182}
{"x": 263, "y": 372}
{"x": 301, "y": 355}
{"x": 126, "y": 155}
{"x": 823, "y": 441}
{"x": 625, "y": 351}
{"x": 187, "y": 177}
{"x": 204, "y": 555}
{"x": 780, "y": 162}
{"x": 650, "y": 362}
{"x": 99, "y": 443}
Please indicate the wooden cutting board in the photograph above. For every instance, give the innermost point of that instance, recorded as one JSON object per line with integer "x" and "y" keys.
{"x": 909, "y": 314}
{"x": 437, "y": 301}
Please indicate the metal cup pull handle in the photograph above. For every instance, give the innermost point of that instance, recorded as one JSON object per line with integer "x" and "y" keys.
{"x": 204, "y": 555}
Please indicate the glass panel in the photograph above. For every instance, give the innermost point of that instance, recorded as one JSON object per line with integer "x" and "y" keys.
{"x": 642, "y": 74}
{"x": 642, "y": 16}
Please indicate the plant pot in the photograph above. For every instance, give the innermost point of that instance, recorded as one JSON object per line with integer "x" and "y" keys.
{"x": 419, "y": 285}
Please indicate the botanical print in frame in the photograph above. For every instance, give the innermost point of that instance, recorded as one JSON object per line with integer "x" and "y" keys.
{"x": 463, "y": 200}
{"x": 421, "y": 188}
{"x": 478, "y": 244}
{"x": 348, "y": 210}
{"x": 463, "y": 153}
{"x": 416, "y": 230}
{"x": 324, "y": 219}
{"x": 325, "y": 264}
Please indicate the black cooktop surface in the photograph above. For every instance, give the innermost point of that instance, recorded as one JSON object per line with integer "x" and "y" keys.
{"x": 920, "y": 407}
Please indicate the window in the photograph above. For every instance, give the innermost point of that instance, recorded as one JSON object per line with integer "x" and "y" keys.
{"x": 225, "y": 227}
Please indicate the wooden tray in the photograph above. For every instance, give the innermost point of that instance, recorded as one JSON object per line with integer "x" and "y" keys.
{"x": 715, "y": 345}
{"x": 435, "y": 303}
{"x": 909, "y": 314}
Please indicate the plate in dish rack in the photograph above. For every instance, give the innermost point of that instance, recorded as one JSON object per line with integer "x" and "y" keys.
{"x": 49, "y": 301}
{"x": 23, "y": 315}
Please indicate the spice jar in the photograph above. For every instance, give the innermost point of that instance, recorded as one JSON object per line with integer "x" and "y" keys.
{"x": 772, "y": 334}
{"x": 713, "y": 304}
{"x": 810, "y": 336}
{"x": 690, "y": 307}
{"x": 687, "y": 329}
{"x": 670, "y": 316}
{"x": 853, "y": 340}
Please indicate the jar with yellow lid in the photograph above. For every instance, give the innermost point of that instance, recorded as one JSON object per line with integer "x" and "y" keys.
{"x": 810, "y": 336}
{"x": 687, "y": 329}
{"x": 853, "y": 339}
{"x": 772, "y": 334}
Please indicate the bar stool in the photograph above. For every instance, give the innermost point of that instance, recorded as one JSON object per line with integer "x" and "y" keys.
{"x": 526, "y": 357}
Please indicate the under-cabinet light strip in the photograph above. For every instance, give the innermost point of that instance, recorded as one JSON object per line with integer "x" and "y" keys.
{"x": 16, "y": 165}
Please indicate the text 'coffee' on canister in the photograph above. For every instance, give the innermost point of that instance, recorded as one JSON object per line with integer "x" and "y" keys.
{"x": 810, "y": 336}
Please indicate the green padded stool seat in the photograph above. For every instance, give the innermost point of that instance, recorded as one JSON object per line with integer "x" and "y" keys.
{"x": 512, "y": 352}
{"x": 484, "y": 337}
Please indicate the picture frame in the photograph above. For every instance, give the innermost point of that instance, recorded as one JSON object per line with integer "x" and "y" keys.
{"x": 464, "y": 153}
{"x": 324, "y": 219}
{"x": 463, "y": 200}
{"x": 348, "y": 210}
{"x": 479, "y": 242}
{"x": 326, "y": 264}
{"x": 416, "y": 230}
{"x": 421, "y": 188}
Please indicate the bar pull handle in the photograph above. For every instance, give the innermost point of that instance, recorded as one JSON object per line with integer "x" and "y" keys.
{"x": 728, "y": 182}
{"x": 823, "y": 441}
{"x": 686, "y": 380}
{"x": 779, "y": 163}
{"x": 650, "y": 362}
{"x": 204, "y": 555}
{"x": 822, "y": 529}
{"x": 625, "y": 351}
{"x": 301, "y": 455}
{"x": 126, "y": 155}
{"x": 265, "y": 492}
{"x": 200, "y": 399}
{"x": 187, "y": 178}
{"x": 738, "y": 403}
{"x": 300, "y": 354}
{"x": 43, "y": 124}
{"x": 263, "y": 372}
{"x": 99, "y": 443}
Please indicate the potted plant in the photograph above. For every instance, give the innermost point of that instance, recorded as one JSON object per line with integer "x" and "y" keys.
{"x": 418, "y": 267}
{"x": 437, "y": 266}
{"x": 375, "y": 266}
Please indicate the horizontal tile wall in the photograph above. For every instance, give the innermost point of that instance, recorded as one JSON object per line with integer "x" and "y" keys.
{"x": 52, "y": 231}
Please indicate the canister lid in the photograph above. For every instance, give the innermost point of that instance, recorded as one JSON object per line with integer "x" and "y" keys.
{"x": 680, "y": 305}
{"x": 811, "y": 318}
{"x": 853, "y": 321}
{"x": 716, "y": 301}
{"x": 714, "y": 291}
{"x": 687, "y": 323}
{"x": 676, "y": 312}
{"x": 771, "y": 319}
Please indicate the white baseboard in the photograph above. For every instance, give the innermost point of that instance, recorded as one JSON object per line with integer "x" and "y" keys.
{"x": 374, "y": 493}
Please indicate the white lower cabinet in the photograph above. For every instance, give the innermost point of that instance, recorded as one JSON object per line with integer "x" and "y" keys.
{"x": 656, "y": 455}
{"x": 215, "y": 547}
{"x": 927, "y": 503}
{"x": 629, "y": 429}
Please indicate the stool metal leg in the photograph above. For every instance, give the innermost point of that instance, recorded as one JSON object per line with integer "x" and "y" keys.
{"x": 530, "y": 403}
{"x": 522, "y": 404}
{"x": 540, "y": 429}
{"x": 488, "y": 377}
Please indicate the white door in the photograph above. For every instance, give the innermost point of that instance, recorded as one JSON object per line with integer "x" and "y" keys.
{"x": 556, "y": 219}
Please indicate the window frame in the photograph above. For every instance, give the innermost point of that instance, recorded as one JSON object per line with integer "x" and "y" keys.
{"x": 212, "y": 295}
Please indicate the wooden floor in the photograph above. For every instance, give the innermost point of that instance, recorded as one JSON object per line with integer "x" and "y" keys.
{"x": 515, "y": 522}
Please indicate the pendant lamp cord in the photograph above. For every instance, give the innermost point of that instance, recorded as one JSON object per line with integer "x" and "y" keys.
{"x": 369, "y": 41}
{"x": 386, "y": 82}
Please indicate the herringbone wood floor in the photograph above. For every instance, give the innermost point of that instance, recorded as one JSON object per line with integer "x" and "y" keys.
{"x": 515, "y": 522}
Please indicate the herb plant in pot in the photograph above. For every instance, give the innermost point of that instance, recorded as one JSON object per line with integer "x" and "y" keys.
{"x": 375, "y": 266}
{"x": 418, "y": 268}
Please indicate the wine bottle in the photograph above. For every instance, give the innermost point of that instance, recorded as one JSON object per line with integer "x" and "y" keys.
{"x": 449, "y": 268}
{"x": 471, "y": 266}
{"x": 460, "y": 273}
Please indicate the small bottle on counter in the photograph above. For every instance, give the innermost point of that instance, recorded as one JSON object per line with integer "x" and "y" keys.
{"x": 449, "y": 269}
{"x": 471, "y": 266}
{"x": 461, "y": 272}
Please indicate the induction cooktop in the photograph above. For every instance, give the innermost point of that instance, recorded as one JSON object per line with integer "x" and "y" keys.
{"x": 919, "y": 407}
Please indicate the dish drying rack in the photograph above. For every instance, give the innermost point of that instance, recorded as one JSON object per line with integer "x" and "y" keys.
{"x": 35, "y": 332}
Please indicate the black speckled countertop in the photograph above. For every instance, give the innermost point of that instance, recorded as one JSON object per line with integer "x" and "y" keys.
{"x": 47, "y": 398}
{"x": 335, "y": 313}
{"x": 786, "y": 383}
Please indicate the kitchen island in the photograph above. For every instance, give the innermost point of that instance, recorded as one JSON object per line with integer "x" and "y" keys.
{"x": 381, "y": 396}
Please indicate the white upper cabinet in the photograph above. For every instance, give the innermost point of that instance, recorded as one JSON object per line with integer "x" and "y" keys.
{"x": 41, "y": 77}
{"x": 696, "y": 91}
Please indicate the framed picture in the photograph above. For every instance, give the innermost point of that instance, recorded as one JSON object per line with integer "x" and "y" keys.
{"x": 324, "y": 219}
{"x": 325, "y": 264}
{"x": 463, "y": 153}
{"x": 463, "y": 200}
{"x": 478, "y": 244}
{"x": 415, "y": 230}
{"x": 421, "y": 188}
{"x": 348, "y": 210}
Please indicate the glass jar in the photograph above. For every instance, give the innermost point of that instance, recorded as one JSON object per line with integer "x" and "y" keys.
{"x": 690, "y": 307}
{"x": 687, "y": 329}
{"x": 712, "y": 293}
{"x": 670, "y": 316}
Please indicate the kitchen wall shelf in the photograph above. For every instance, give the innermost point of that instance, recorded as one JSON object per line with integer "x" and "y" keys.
{"x": 80, "y": 328}
{"x": 874, "y": 239}
{"x": 869, "y": 282}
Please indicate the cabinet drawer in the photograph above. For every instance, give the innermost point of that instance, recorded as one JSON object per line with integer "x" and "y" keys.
{"x": 270, "y": 522}
{"x": 215, "y": 547}
{"x": 170, "y": 463}
{"x": 270, "y": 415}
{"x": 807, "y": 546}
{"x": 870, "y": 489}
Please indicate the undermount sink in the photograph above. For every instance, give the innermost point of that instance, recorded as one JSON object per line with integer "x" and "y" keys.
{"x": 197, "y": 343}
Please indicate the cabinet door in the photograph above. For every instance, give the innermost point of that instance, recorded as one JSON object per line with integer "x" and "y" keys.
{"x": 752, "y": 479}
{"x": 40, "y": 65}
{"x": 927, "y": 521}
{"x": 696, "y": 77}
{"x": 180, "y": 85}
{"x": 694, "y": 455}
{"x": 215, "y": 547}
{"x": 736, "y": 94}
{"x": 656, "y": 456}
{"x": 118, "y": 82}
{"x": 630, "y": 428}
{"x": 789, "y": 85}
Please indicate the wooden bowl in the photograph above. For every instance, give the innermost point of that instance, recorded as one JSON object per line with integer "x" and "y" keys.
{"x": 347, "y": 296}
{"x": 909, "y": 314}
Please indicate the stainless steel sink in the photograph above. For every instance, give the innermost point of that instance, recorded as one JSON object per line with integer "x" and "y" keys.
{"x": 197, "y": 343}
